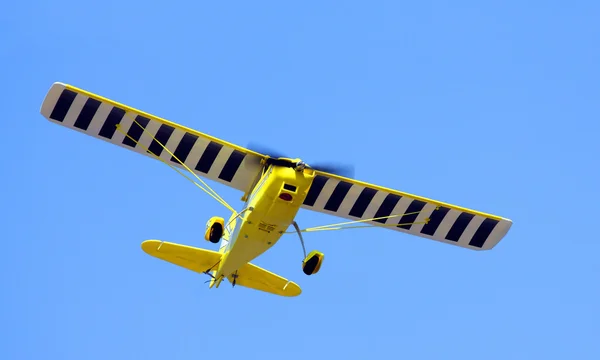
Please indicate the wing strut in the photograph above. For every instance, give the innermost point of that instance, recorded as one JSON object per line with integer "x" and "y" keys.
{"x": 207, "y": 190}
{"x": 338, "y": 226}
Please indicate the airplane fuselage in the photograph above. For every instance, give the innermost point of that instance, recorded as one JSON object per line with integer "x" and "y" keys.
{"x": 268, "y": 212}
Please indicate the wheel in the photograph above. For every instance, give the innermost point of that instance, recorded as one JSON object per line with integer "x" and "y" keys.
{"x": 312, "y": 263}
{"x": 214, "y": 229}
{"x": 216, "y": 232}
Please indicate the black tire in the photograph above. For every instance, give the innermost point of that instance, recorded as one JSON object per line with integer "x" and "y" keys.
{"x": 216, "y": 232}
{"x": 310, "y": 266}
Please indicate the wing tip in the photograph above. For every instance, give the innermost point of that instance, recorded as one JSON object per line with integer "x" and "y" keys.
{"x": 291, "y": 289}
{"x": 151, "y": 246}
{"x": 499, "y": 236}
{"x": 51, "y": 98}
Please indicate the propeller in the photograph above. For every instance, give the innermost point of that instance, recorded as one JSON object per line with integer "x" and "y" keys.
{"x": 260, "y": 148}
{"x": 332, "y": 168}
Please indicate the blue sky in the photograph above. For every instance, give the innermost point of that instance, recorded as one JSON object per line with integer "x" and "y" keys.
{"x": 488, "y": 105}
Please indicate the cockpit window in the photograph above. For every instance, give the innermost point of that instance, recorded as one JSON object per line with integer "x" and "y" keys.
{"x": 289, "y": 187}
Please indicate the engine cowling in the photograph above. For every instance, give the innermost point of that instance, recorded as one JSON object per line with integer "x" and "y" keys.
{"x": 214, "y": 229}
{"x": 312, "y": 263}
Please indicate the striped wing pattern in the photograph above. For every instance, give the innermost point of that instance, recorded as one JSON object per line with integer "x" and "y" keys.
{"x": 451, "y": 224}
{"x": 99, "y": 117}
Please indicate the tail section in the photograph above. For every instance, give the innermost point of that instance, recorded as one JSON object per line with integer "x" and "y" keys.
{"x": 203, "y": 261}
{"x": 257, "y": 278}
{"x": 191, "y": 258}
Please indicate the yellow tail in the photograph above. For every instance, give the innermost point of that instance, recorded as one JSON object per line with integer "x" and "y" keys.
{"x": 201, "y": 260}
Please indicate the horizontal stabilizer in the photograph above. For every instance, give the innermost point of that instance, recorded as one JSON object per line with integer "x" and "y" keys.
{"x": 191, "y": 258}
{"x": 257, "y": 278}
{"x": 200, "y": 260}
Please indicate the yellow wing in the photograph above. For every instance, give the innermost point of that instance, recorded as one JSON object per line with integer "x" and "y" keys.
{"x": 99, "y": 117}
{"x": 355, "y": 200}
{"x": 200, "y": 260}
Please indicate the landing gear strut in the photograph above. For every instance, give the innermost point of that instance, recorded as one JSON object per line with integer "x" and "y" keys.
{"x": 312, "y": 262}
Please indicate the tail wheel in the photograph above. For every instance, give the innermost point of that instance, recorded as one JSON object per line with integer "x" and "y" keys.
{"x": 216, "y": 232}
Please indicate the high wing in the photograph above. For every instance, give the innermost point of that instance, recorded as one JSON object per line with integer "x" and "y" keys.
{"x": 99, "y": 117}
{"x": 451, "y": 224}
{"x": 200, "y": 260}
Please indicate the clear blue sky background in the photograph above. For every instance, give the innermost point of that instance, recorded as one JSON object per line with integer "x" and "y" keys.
{"x": 488, "y": 105}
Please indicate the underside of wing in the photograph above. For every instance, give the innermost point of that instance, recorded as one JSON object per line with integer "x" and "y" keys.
{"x": 143, "y": 133}
{"x": 451, "y": 224}
{"x": 191, "y": 258}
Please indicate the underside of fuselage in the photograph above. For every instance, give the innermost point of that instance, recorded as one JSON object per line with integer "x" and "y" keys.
{"x": 268, "y": 212}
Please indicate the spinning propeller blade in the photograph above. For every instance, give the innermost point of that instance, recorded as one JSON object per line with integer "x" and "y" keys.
{"x": 332, "y": 168}
{"x": 259, "y": 148}
{"x": 338, "y": 169}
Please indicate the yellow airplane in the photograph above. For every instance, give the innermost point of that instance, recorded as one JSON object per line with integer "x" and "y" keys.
{"x": 274, "y": 190}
